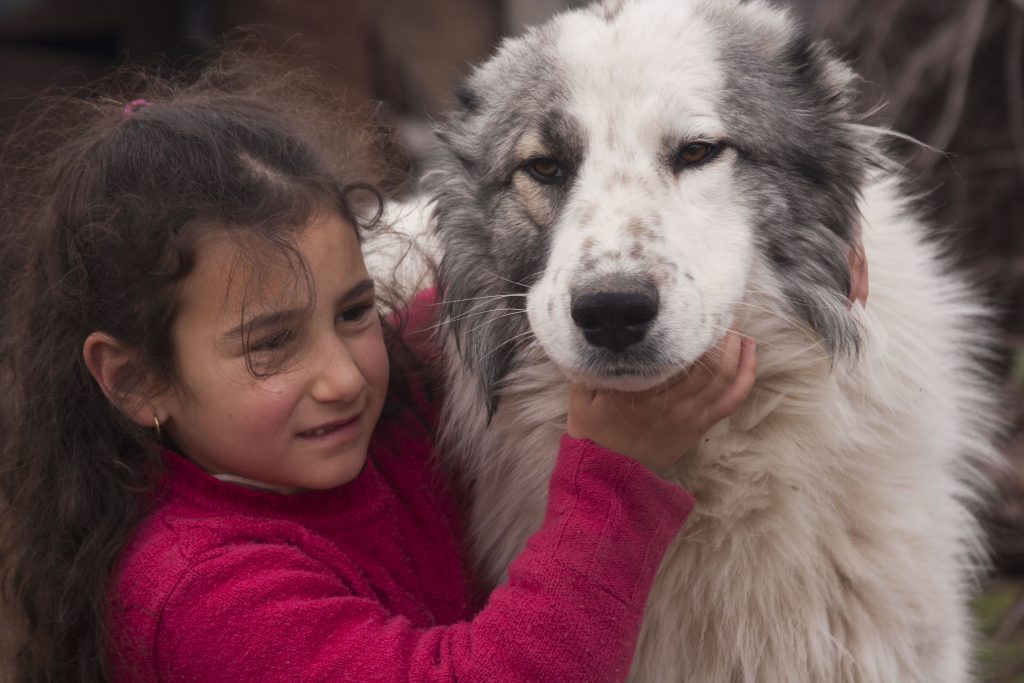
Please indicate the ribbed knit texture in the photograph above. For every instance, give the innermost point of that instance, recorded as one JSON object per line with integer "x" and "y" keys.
{"x": 363, "y": 583}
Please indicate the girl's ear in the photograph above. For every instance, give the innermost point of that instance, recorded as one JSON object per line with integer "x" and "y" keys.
{"x": 116, "y": 369}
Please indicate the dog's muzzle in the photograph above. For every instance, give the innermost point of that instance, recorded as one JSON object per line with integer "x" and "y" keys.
{"x": 615, "y": 312}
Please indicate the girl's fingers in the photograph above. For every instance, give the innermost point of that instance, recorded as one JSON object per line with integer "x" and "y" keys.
{"x": 858, "y": 274}
{"x": 708, "y": 368}
{"x": 727, "y": 384}
{"x": 730, "y": 357}
{"x": 719, "y": 365}
{"x": 580, "y": 394}
{"x": 734, "y": 393}
{"x": 691, "y": 380}
{"x": 653, "y": 426}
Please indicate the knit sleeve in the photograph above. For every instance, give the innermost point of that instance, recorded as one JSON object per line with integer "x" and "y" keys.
{"x": 571, "y": 609}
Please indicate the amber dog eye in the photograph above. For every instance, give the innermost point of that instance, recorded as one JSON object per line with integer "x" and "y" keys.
{"x": 694, "y": 153}
{"x": 545, "y": 170}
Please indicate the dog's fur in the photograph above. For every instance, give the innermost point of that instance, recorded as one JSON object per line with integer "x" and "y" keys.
{"x": 835, "y": 537}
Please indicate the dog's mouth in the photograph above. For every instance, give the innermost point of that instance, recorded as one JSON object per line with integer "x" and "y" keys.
{"x": 625, "y": 374}
{"x": 638, "y": 368}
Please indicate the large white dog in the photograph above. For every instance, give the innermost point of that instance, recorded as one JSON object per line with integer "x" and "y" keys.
{"x": 622, "y": 185}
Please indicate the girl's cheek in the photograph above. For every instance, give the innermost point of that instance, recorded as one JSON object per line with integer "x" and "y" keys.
{"x": 377, "y": 363}
{"x": 268, "y": 401}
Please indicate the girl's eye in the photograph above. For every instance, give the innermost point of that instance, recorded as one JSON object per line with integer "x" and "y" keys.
{"x": 694, "y": 153}
{"x": 354, "y": 314}
{"x": 274, "y": 342}
{"x": 546, "y": 170}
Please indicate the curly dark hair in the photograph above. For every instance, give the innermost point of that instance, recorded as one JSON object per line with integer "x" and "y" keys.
{"x": 102, "y": 209}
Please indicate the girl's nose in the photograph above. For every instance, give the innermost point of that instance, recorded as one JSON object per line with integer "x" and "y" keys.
{"x": 336, "y": 375}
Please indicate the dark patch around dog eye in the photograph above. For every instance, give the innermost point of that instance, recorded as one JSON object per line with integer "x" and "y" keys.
{"x": 694, "y": 154}
{"x": 562, "y": 140}
{"x": 811, "y": 171}
{"x": 800, "y": 53}
{"x": 546, "y": 170}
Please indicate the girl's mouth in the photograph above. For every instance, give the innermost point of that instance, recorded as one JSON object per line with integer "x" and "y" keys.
{"x": 334, "y": 429}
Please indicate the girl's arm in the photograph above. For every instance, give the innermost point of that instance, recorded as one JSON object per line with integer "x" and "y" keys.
{"x": 571, "y": 609}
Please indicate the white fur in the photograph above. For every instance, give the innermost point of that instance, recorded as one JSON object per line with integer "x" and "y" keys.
{"x": 834, "y": 538}
{"x": 401, "y": 249}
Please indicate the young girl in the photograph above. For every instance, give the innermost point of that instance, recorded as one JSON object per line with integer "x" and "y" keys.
{"x": 209, "y": 472}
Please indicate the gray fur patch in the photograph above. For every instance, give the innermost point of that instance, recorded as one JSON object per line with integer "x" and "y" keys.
{"x": 640, "y": 231}
{"x": 801, "y": 166}
{"x": 636, "y": 250}
{"x": 609, "y": 10}
{"x": 492, "y": 245}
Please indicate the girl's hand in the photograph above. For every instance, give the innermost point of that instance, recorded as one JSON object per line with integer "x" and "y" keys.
{"x": 656, "y": 427}
{"x": 858, "y": 274}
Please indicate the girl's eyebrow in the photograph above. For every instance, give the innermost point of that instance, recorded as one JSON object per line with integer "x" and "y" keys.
{"x": 360, "y": 288}
{"x": 273, "y": 319}
{"x": 264, "y": 321}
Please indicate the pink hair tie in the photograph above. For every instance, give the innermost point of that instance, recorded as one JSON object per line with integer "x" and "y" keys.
{"x": 134, "y": 106}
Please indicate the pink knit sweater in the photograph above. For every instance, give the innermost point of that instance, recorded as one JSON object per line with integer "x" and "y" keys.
{"x": 364, "y": 582}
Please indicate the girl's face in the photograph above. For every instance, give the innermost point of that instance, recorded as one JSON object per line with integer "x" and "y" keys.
{"x": 309, "y": 424}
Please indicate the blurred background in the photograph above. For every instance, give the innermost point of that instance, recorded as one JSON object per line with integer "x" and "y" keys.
{"x": 947, "y": 72}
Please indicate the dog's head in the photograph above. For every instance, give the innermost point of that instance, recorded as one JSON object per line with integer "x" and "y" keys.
{"x": 621, "y": 178}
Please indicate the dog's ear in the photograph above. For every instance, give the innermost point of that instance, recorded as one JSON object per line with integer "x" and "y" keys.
{"x": 831, "y": 88}
{"x": 458, "y": 123}
{"x": 794, "y": 102}
{"x": 782, "y": 38}
{"x": 817, "y": 66}
{"x": 467, "y": 98}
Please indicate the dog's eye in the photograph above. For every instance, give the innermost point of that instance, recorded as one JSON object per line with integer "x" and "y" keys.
{"x": 545, "y": 170}
{"x": 694, "y": 153}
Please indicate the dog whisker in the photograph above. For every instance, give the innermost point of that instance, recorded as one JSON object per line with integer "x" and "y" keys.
{"x": 476, "y": 313}
{"x": 505, "y": 279}
{"x": 789, "y": 299}
{"x": 510, "y": 340}
{"x": 489, "y": 297}
{"x": 471, "y": 313}
{"x": 811, "y": 336}
{"x": 513, "y": 312}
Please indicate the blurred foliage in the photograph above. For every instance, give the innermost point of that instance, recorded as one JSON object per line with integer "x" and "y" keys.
{"x": 999, "y": 609}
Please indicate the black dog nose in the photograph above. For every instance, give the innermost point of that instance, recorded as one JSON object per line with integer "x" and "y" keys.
{"x": 615, "y": 314}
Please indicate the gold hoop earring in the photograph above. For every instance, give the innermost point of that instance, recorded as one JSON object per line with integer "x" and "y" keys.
{"x": 156, "y": 421}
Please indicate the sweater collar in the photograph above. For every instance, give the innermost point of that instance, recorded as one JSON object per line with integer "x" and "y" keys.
{"x": 358, "y": 502}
